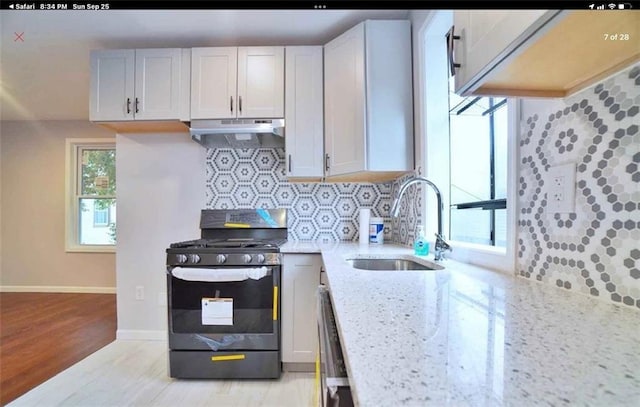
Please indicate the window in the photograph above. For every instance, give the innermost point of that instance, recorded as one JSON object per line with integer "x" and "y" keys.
{"x": 91, "y": 194}
{"x": 100, "y": 215}
{"x": 478, "y": 157}
{"x": 461, "y": 164}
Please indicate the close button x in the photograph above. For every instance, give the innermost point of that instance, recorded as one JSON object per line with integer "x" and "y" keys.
{"x": 18, "y": 37}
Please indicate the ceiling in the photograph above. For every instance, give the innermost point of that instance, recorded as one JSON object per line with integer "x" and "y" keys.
{"x": 44, "y": 57}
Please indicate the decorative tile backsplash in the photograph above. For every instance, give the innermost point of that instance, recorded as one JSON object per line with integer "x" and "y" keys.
{"x": 405, "y": 227}
{"x": 255, "y": 178}
{"x": 594, "y": 250}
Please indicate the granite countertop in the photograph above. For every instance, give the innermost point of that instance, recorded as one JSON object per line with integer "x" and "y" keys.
{"x": 467, "y": 336}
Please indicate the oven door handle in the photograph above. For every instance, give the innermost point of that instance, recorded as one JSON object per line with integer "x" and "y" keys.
{"x": 218, "y": 275}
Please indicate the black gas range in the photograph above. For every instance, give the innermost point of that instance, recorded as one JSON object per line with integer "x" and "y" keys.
{"x": 223, "y": 296}
{"x": 225, "y": 252}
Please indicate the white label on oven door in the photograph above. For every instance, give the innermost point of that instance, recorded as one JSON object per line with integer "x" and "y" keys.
{"x": 217, "y": 311}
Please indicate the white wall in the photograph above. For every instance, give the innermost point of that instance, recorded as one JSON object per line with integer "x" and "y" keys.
{"x": 160, "y": 192}
{"x": 32, "y": 169}
{"x": 0, "y": 205}
{"x": 419, "y": 21}
{"x": 432, "y": 108}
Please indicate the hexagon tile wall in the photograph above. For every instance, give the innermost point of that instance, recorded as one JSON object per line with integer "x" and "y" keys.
{"x": 255, "y": 178}
{"x": 594, "y": 250}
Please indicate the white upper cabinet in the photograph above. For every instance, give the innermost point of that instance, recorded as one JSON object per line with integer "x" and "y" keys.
{"x": 261, "y": 82}
{"x": 244, "y": 82}
{"x": 539, "y": 53}
{"x": 304, "y": 113}
{"x": 213, "y": 82}
{"x": 112, "y": 85}
{"x": 489, "y": 35}
{"x": 158, "y": 80}
{"x": 143, "y": 84}
{"x": 344, "y": 102}
{"x": 369, "y": 102}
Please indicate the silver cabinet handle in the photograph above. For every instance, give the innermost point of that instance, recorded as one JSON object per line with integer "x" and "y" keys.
{"x": 240, "y": 104}
{"x": 128, "y": 105}
{"x": 289, "y": 162}
{"x": 231, "y": 103}
{"x": 451, "y": 37}
{"x": 136, "y": 105}
{"x": 326, "y": 162}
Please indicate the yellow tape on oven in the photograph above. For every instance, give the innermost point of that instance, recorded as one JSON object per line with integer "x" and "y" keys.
{"x": 236, "y": 225}
{"x": 275, "y": 302}
{"x": 226, "y": 357}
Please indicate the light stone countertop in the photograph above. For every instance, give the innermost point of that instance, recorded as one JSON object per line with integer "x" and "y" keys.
{"x": 467, "y": 336}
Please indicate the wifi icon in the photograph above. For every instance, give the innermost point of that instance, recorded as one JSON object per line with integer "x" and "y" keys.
{"x": 612, "y": 6}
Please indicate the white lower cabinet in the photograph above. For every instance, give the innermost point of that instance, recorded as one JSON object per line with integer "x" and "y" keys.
{"x": 300, "y": 280}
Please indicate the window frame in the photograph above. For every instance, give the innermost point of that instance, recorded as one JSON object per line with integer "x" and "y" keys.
{"x": 430, "y": 148}
{"x": 492, "y": 204}
{"x": 499, "y": 258}
{"x": 73, "y": 168}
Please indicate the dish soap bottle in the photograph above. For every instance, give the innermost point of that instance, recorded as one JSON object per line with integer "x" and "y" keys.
{"x": 421, "y": 246}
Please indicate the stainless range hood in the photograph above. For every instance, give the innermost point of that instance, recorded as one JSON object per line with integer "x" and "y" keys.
{"x": 238, "y": 133}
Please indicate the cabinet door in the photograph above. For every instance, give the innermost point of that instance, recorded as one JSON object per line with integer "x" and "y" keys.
{"x": 303, "y": 112}
{"x": 344, "y": 103}
{"x": 213, "y": 82}
{"x": 261, "y": 82}
{"x": 158, "y": 77}
{"x": 487, "y": 37}
{"x": 300, "y": 280}
{"x": 389, "y": 93}
{"x": 112, "y": 85}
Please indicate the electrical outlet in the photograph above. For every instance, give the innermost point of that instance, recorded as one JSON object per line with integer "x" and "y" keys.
{"x": 139, "y": 293}
{"x": 561, "y": 188}
{"x": 558, "y": 182}
{"x": 557, "y": 196}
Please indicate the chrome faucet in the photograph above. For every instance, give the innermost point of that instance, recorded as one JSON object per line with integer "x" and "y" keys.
{"x": 441, "y": 244}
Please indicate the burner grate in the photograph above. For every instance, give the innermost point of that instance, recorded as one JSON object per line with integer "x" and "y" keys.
{"x": 228, "y": 244}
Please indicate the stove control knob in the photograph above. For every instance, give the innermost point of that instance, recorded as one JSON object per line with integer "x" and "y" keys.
{"x": 260, "y": 258}
{"x": 221, "y": 258}
{"x": 181, "y": 258}
{"x": 246, "y": 258}
{"x": 194, "y": 258}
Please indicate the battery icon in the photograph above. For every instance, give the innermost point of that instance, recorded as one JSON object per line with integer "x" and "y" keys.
{"x": 621, "y": 6}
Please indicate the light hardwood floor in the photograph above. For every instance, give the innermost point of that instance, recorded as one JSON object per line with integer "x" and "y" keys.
{"x": 134, "y": 373}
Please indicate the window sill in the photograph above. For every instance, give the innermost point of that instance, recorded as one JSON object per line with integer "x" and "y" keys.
{"x": 486, "y": 256}
{"x": 492, "y": 250}
{"x": 91, "y": 249}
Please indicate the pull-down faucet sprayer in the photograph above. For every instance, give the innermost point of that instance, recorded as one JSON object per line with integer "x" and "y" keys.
{"x": 441, "y": 244}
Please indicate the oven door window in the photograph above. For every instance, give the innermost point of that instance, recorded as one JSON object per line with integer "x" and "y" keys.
{"x": 253, "y": 305}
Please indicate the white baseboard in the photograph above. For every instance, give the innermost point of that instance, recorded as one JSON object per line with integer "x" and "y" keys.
{"x": 138, "y": 335}
{"x": 56, "y": 289}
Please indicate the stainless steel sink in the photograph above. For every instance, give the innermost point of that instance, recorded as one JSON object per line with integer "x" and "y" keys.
{"x": 391, "y": 264}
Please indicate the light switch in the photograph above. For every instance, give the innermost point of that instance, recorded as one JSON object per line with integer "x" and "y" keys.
{"x": 560, "y": 183}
